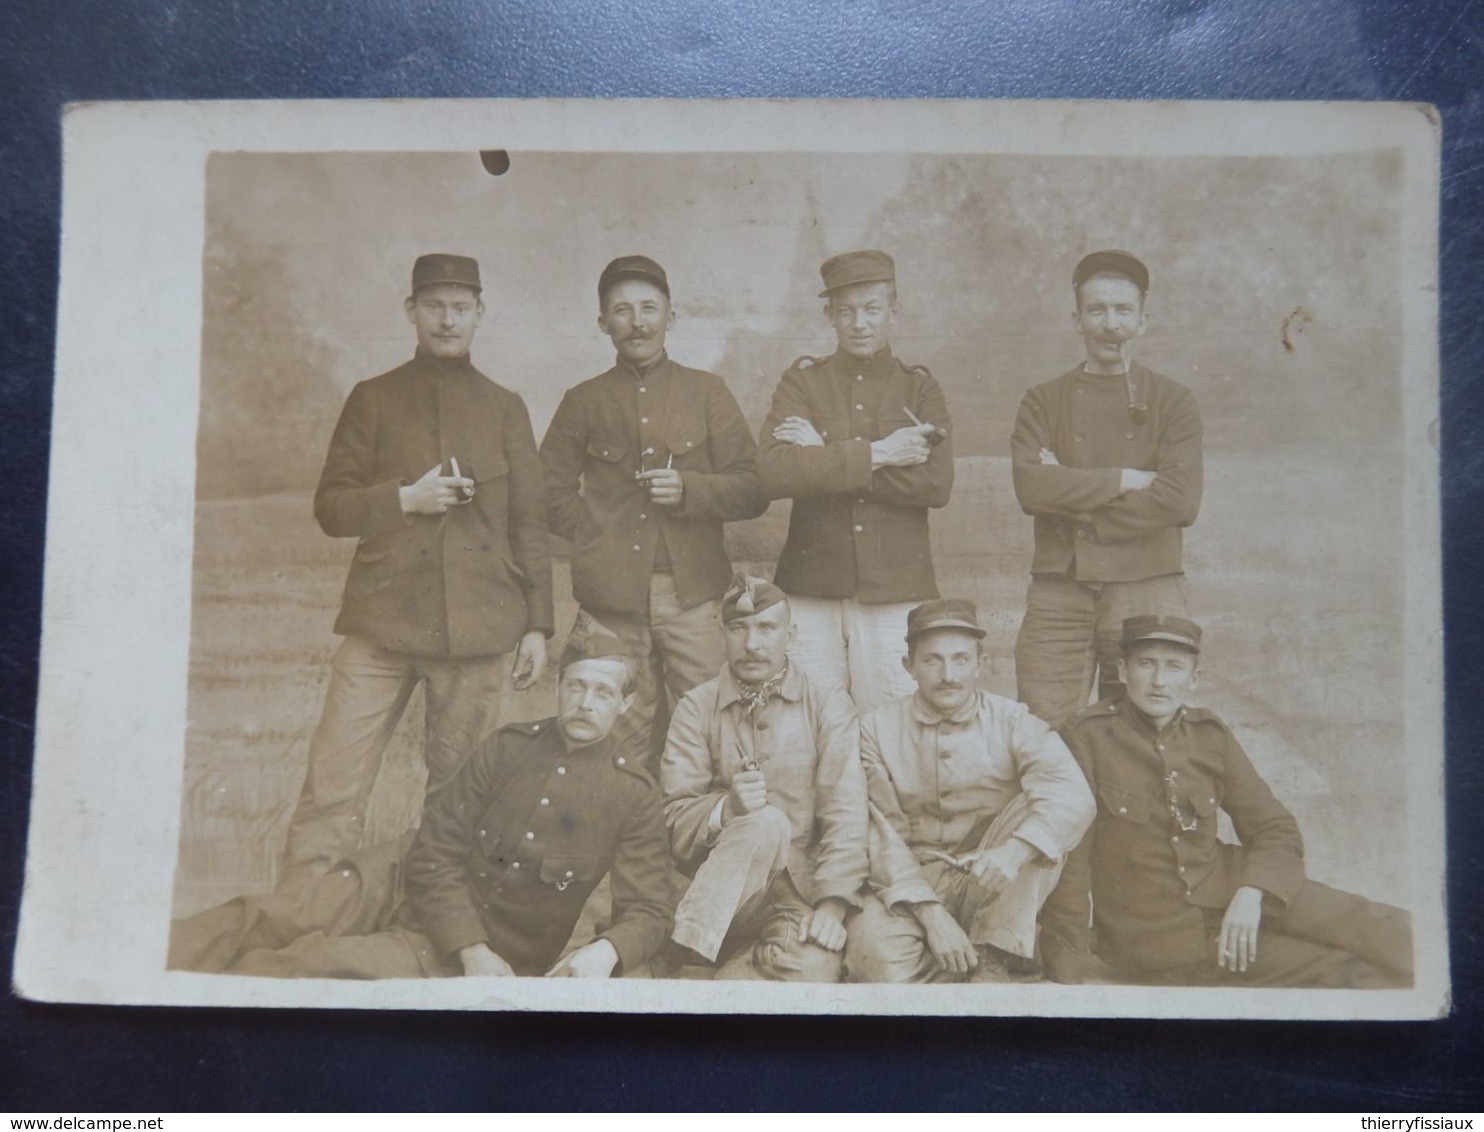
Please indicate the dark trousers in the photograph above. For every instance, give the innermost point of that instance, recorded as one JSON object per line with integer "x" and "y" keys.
{"x": 1326, "y": 938}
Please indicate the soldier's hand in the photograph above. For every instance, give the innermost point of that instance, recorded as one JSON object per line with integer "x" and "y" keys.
{"x": 799, "y": 431}
{"x": 666, "y": 488}
{"x": 747, "y": 794}
{"x": 946, "y": 941}
{"x": 595, "y": 961}
{"x": 434, "y": 493}
{"x": 997, "y": 869}
{"x": 1236, "y": 946}
{"x": 530, "y": 660}
{"x": 826, "y": 924}
{"x": 905, "y": 448}
{"x": 1048, "y": 457}
{"x": 480, "y": 961}
{"x": 1134, "y": 479}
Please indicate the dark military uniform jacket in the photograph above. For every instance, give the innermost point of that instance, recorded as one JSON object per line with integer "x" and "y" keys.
{"x": 624, "y": 421}
{"x": 1152, "y": 863}
{"x": 1084, "y": 529}
{"x": 466, "y": 583}
{"x": 855, "y": 533}
{"x": 512, "y": 847}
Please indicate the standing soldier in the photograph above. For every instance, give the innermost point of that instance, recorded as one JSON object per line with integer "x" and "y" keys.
{"x": 861, "y": 443}
{"x": 1107, "y": 458}
{"x": 433, "y": 467}
{"x": 644, "y": 463}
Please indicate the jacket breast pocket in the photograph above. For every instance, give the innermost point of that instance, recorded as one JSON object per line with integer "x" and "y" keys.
{"x": 608, "y": 451}
{"x": 485, "y": 466}
{"x": 1125, "y": 804}
{"x": 686, "y": 439}
{"x": 561, "y": 872}
{"x": 831, "y": 429}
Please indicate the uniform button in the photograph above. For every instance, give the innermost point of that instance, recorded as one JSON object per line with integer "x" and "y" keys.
{"x": 1078, "y": 438}
{"x": 1080, "y": 534}
{"x": 859, "y": 528}
{"x": 643, "y": 517}
{"x": 530, "y": 836}
{"x": 481, "y": 833}
{"x": 690, "y": 443}
{"x": 1123, "y": 809}
{"x": 1182, "y": 868}
{"x": 643, "y": 420}
{"x": 535, "y": 727}
{"x": 641, "y": 389}
{"x": 860, "y": 500}
{"x": 621, "y": 760}
{"x": 546, "y": 801}
{"x": 515, "y": 864}
{"x": 561, "y": 770}
{"x": 1080, "y": 391}
{"x": 605, "y": 451}
{"x": 1211, "y": 801}
{"x": 1175, "y": 839}
{"x": 568, "y": 874}
{"x": 860, "y": 377}
{"x": 636, "y": 546}
{"x": 860, "y": 408}
{"x": 345, "y": 872}
{"x": 860, "y": 437}
{"x": 1128, "y": 436}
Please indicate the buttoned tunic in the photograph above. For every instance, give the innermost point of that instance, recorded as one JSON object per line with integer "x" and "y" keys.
{"x": 471, "y": 581}
{"x": 625, "y": 421}
{"x": 854, "y": 532}
{"x": 806, "y": 742}
{"x": 1152, "y": 862}
{"x": 510, "y": 850}
{"x": 1083, "y": 528}
{"x": 938, "y": 782}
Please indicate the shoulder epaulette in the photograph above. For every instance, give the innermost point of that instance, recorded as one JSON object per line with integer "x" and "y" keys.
{"x": 634, "y": 767}
{"x": 1100, "y": 709}
{"x": 536, "y": 727}
{"x": 806, "y": 361}
{"x": 1205, "y": 715}
{"x": 919, "y": 369}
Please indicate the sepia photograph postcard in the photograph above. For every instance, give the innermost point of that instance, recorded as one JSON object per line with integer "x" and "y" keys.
{"x": 908, "y": 558}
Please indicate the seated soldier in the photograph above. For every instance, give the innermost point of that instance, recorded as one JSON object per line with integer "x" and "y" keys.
{"x": 766, "y": 804}
{"x": 1170, "y": 903}
{"x": 497, "y": 876}
{"x": 974, "y": 805}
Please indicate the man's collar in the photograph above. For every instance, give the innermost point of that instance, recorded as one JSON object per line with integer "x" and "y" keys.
{"x": 792, "y": 688}
{"x": 930, "y": 716}
{"x": 442, "y": 366}
{"x": 1126, "y": 707}
{"x": 878, "y": 364}
{"x": 641, "y": 373}
{"x": 600, "y": 748}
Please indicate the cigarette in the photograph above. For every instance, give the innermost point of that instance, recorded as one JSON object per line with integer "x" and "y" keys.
{"x": 911, "y": 416}
{"x": 454, "y": 463}
{"x": 670, "y": 460}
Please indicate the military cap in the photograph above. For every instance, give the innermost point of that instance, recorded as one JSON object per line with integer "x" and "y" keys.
{"x": 632, "y": 267}
{"x": 1161, "y": 627}
{"x": 748, "y": 595}
{"x": 944, "y": 613}
{"x": 594, "y": 644}
{"x": 1113, "y": 262}
{"x": 443, "y": 268}
{"x": 867, "y": 266}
